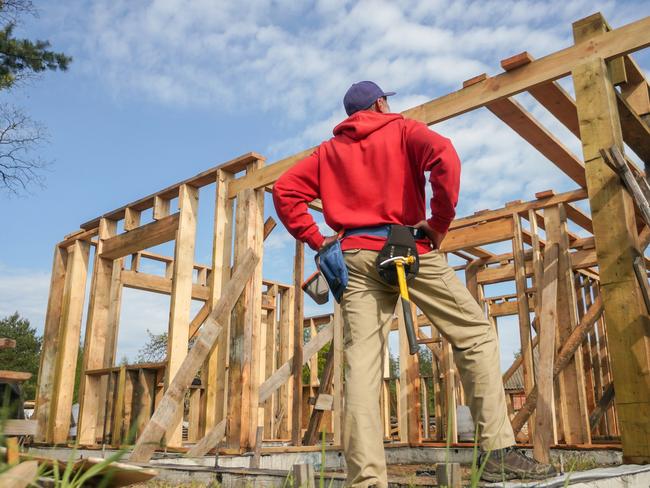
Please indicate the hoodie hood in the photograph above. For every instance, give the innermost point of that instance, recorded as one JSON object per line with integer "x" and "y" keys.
{"x": 363, "y": 123}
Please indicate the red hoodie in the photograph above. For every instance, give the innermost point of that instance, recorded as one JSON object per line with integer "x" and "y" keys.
{"x": 371, "y": 173}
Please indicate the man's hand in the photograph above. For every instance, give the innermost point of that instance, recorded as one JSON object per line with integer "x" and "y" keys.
{"x": 434, "y": 236}
{"x": 328, "y": 240}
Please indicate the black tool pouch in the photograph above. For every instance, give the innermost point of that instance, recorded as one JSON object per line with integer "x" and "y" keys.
{"x": 400, "y": 242}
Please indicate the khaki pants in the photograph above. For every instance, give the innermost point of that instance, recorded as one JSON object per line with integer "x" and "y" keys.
{"x": 367, "y": 306}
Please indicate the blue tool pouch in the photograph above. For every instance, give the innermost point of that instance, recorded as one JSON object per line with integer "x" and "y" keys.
{"x": 331, "y": 263}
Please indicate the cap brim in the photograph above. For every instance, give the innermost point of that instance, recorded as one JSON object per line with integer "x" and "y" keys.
{"x": 388, "y": 94}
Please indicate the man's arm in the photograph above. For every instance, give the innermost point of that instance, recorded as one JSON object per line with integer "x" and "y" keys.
{"x": 435, "y": 153}
{"x": 291, "y": 193}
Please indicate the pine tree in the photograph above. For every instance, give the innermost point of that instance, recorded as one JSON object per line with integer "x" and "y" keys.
{"x": 19, "y": 57}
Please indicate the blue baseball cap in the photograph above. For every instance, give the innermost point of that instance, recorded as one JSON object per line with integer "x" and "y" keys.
{"x": 362, "y": 95}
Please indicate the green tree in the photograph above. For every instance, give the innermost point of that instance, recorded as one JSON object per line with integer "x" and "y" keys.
{"x": 20, "y": 136}
{"x": 154, "y": 350}
{"x": 25, "y": 356}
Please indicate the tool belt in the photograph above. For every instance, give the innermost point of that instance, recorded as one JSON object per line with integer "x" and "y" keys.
{"x": 400, "y": 242}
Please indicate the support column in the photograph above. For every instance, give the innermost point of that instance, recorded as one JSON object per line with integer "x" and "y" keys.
{"x": 45, "y": 387}
{"x": 298, "y": 335}
{"x": 572, "y": 401}
{"x": 97, "y": 325}
{"x": 523, "y": 310}
{"x": 181, "y": 297}
{"x": 409, "y": 375}
{"x": 243, "y": 373}
{"x": 617, "y": 245}
{"x": 215, "y": 368}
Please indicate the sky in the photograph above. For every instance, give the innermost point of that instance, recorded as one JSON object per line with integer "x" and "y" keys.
{"x": 161, "y": 90}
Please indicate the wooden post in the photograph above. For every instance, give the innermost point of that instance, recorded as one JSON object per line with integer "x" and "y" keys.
{"x": 97, "y": 325}
{"x": 617, "y": 245}
{"x": 215, "y": 369}
{"x": 545, "y": 433}
{"x": 410, "y": 385}
{"x": 523, "y": 310}
{"x": 243, "y": 374}
{"x": 285, "y": 403}
{"x": 298, "y": 334}
{"x": 50, "y": 348}
{"x": 337, "y": 379}
{"x": 74, "y": 294}
{"x": 572, "y": 402}
{"x": 451, "y": 427}
{"x": 118, "y": 410}
{"x": 181, "y": 297}
{"x": 271, "y": 361}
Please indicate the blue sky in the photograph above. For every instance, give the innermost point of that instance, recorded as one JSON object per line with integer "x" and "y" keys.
{"x": 161, "y": 90}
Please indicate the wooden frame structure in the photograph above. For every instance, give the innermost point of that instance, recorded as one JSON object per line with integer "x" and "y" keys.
{"x": 578, "y": 300}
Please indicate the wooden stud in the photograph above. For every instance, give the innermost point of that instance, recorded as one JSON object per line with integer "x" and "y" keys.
{"x": 181, "y": 297}
{"x": 47, "y": 369}
{"x": 286, "y": 349}
{"x": 572, "y": 400}
{"x": 193, "y": 430}
{"x": 243, "y": 384}
{"x": 545, "y": 433}
{"x": 97, "y": 325}
{"x": 523, "y": 310}
{"x": 215, "y": 370}
{"x": 616, "y": 246}
{"x": 337, "y": 380}
{"x": 298, "y": 277}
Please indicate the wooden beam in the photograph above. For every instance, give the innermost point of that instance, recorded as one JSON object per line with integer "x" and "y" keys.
{"x": 523, "y": 123}
{"x": 170, "y": 411}
{"x": 159, "y": 284}
{"x": 476, "y": 235}
{"x": 143, "y": 237}
{"x": 181, "y": 296}
{"x": 617, "y": 245}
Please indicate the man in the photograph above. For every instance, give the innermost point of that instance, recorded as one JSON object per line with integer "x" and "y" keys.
{"x": 370, "y": 174}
